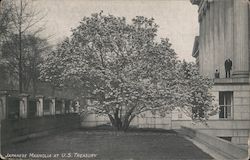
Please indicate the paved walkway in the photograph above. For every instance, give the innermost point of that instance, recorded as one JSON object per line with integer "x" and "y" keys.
{"x": 107, "y": 145}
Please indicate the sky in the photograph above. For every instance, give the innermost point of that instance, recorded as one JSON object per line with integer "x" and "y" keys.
{"x": 178, "y": 19}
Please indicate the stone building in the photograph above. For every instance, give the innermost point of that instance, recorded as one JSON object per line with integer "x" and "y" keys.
{"x": 224, "y": 34}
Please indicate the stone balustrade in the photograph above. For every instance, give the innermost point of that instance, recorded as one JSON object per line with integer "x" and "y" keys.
{"x": 23, "y": 117}
{"x": 20, "y": 107}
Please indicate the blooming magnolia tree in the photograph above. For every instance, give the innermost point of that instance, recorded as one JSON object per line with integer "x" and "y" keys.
{"x": 196, "y": 99}
{"x": 124, "y": 71}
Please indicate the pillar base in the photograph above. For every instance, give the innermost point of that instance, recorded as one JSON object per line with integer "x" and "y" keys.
{"x": 39, "y": 105}
{"x": 3, "y": 104}
{"x": 52, "y": 105}
{"x": 23, "y": 106}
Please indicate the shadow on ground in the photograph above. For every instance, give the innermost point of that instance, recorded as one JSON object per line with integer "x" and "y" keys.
{"x": 130, "y": 130}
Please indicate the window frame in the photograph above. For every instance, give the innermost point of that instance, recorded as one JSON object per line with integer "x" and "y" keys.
{"x": 227, "y": 115}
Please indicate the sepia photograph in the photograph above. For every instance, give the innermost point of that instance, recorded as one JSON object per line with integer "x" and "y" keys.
{"x": 124, "y": 79}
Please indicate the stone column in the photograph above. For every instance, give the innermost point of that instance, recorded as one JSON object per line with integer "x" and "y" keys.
{"x": 241, "y": 54}
{"x": 52, "y": 105}
{"x": 211, "y": 38}
{"x": 23, "y": 107}
{"x": 218, "y": 64}
{"x": 63, "y": 106}
{"x": 3, "y": 104}
{"x": 68, "y": 107}
{"x": 229, "y": 39}
{"x": 39, "y": 105}
{"x": 206, "y": 43}
{"x": 201, "y": 42}
{"x": 0, "y": 137}
{"x": 221, "y": 36}
{"x": 3, "y": 112}
{"x": 71, "y": 109}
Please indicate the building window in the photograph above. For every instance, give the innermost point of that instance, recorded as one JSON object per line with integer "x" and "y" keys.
{"x": 225, "y": 102}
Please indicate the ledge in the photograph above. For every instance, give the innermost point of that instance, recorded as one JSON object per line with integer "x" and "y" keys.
{"x": 225, "y": 81}
{"x": 23, "y": 95}
{"x": 221, "y": 146}
{"x": 40, "y": 96}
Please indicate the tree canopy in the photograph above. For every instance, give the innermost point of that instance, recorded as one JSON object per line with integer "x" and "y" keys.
{"x": 124, "y": 71}
{"x": 18, "y": 24}
{"x": 20, "y": 45}
{"x": 32, "y": 48}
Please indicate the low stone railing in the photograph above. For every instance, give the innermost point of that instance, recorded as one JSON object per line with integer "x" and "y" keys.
{"x": 217, "y": 144}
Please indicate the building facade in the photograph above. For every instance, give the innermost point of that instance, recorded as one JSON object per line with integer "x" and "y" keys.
{"x": 224, "y": 27}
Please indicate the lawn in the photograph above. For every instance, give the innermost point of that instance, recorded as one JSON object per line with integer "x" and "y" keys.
{"x": 105, "y": 144}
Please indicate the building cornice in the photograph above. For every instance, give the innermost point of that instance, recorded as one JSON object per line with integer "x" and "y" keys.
{"x": 204, "y": 5}
{"x": 195, "y": 2}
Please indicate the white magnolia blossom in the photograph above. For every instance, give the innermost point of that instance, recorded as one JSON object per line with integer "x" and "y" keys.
{"x": 126, "y": 72}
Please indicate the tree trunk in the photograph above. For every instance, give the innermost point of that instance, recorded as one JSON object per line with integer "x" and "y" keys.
{"x": 118, "y": 119}
{"x": 114, "y": 122}
{"x": 127, "y": 122}
{"x": 20, "y": 51}
{"x": 34, "y": 87}
{"x": 118, "y": 124}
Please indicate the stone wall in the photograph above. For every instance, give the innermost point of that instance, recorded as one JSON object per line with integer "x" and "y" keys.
{"x": 237, "y": 130}
{"x": 241, "y": 99}
{"x": 148, "y": 120}
{"x": 21, "y": 129}
{"x": 93, "y": 120}
{"x": 145, "y": 120}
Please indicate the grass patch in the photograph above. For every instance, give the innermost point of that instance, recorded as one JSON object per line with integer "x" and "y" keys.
{"x": 136, "y": 144}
